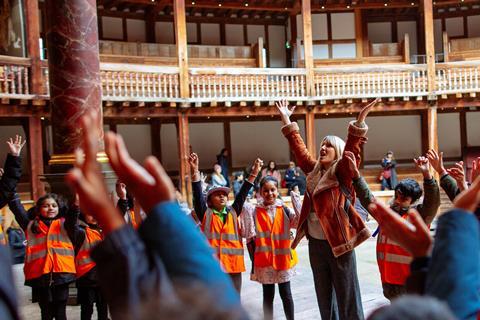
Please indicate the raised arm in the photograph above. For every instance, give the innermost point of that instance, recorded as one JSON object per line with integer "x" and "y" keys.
{"x": 291, "y": 131}
{"x": 199, "y": 202}
{"x": 12, "y": 170}
{"x": 15, "y": 205}
{"x": 362, "y": 190}
{"x": 246, "y": 186}
{"x": 431, "y": 200}
{"x": 74, "y": 231}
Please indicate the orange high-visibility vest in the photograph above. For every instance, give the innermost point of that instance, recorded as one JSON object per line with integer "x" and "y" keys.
{"x": 83, "y": 261}
{"x": 393, "y": 261}
{"x": 2, "y": 237}
{"x": 272, "y": 242}
{"x": 225, "y": 240}
{"x": 50, "y": 250}
{"x": 132, "y": 220}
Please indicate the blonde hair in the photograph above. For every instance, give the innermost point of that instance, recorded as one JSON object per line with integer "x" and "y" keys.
{"x": 337, "y": 143}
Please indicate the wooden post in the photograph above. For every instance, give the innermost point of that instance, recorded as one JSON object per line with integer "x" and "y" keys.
{"x": 261, "y": 60}
{"x": 430, "y": 129}
{"x": 310, "y": 133}
{"x": 406, "y": 48}
{"x": 227, "y": 141}
{"x": 463, "y": 132}
{"x": 184, "y": 152}
{"x": 155, "y": 128}
{"x": 35, "y": 149}
{"x": 358, "y": 32}
{"x": 445, "y": 46}
{"x": 150, "y": 25}
{"x": 181, "y": 41}
{"x": 33, "y": 46}
{"x": 308, "y": 46}
{"x": 429, "y": 44}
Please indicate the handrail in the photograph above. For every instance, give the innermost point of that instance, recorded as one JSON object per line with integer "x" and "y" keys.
{"x": 19, "y": 61}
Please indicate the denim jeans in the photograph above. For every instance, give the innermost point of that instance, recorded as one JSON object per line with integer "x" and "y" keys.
{"x": 336, "y": 282}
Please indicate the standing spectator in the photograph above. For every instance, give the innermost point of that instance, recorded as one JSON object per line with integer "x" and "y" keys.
{"x": 237, "y": 182}
{"x": 16, "y": 242}
{"x": 218, "y": 180}
{"x": 222, "y": 161}
{"x": 271, "y": 170}
{"x": 389, "y": 174}
{"x": 294, "y": 178}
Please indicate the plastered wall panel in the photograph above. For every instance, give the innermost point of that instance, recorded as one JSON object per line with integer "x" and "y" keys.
{"x": 168, "y": 140}
{"x": 344, "y": 50}
{"x": 136, "y": 30}
{"x": 473, "y": 129}
{"x": 192, "y": 36}
{"x": 401, "y": 134}
{"x": 473, "y": 23}
{"x": 319, "y": 26}
{"x": 234, "y": 35}
{"x": 343, "y": 25}
{"x": 138, "y": 140}
{"x": 210, "y": 33}
{"x": 410, "y": 28}
{"x": 112, "y": 28}
{"x": 251, "y": 139}
{"x": 207, "y": 140}
{"x": 276, "y": 46}
{"x": 380, "y": 32}
{"x": 164, "y": 32}
{"x": 449, "y": 134}
{"x": 454, "y": 26}
{"x": 254, "y": 32}
{"x": 299, "y": 27}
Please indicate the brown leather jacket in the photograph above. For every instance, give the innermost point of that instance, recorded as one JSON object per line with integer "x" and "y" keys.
{"x": 343, "y": 230}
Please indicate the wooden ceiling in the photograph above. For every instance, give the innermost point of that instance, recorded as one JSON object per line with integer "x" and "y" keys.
{"x": 275, "y": 10}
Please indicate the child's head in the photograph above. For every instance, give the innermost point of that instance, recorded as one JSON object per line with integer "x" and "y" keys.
{"x": 217, "y": 198}
{"x": 407, "y": 192}
{"x": 269, "y": 190}
{"x": 291, "y": 165}
{"x": 49, "y": 205}
{"x": 272, "y": 165}
{"x": 389, "y": 155}
{"x": 217, "y": 169}
{"x": 239, "y": 176}
{"x": 296, "y": 189}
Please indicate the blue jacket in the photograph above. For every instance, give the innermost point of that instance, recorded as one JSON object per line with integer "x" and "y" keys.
{"x": 167, "y": 253}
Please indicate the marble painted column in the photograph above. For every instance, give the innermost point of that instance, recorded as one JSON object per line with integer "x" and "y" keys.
{"x": 74, "y": 71}
{"x": 74, "y": 74}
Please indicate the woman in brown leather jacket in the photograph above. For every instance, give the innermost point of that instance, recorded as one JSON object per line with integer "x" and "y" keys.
{"x": 328, "y": 218}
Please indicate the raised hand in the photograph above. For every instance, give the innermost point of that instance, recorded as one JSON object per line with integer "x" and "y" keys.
{"x": 285, "y": 111}
{"x": 423, "y": 165}
{"x": 458, "y": 173}
{"x": 436, "y": 160}
{"x": 193, "y": 161}
{"x": 150, "y": 184}
{"x": 363, "y": 114}
{"x": 469, "y": 199}
{"x": 87, "y": 180}
{"x": 121, "y": 189}
{"x": 256, "y": 167}
{"x": 412, "y": 234}
{"x": 16, "y": 145}
{"x": 352, "y": 164}
{"x": 475, "y": 169}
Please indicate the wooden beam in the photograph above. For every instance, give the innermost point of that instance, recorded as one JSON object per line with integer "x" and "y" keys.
{"x": 310, "y": 133}
{"x": 463, "y": 131}
{"x": 308, "y": 46}
{"x": 358, "y": 33}
{"x": 429, "y": 43}
{"x": 150, "y": 26}
{"x": 181, "y": 41}
{"x": 35, "y": 153}
{"x": 227, "y": 141}
{"x": 184, "y": 152}
{"x": 33, "y": 47}
{"x": 155, "y": 127}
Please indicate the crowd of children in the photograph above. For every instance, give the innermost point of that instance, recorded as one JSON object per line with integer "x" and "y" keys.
{"x": 154, "y": 265}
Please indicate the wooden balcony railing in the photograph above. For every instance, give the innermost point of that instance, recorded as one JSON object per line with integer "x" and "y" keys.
{"x": 368, "y": 82}
{"x": 122, "y": 82}
{"x": 249, "y": 84}
{"x": 14, "y": 76}
{"x": 457, "y": 77}
{"x": 131, "y": 82}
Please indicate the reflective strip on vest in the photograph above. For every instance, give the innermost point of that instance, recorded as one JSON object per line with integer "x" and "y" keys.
{"x": 225, "y": 240}
{"x": 42, "y": 253}
{"x": 83, "y": 261}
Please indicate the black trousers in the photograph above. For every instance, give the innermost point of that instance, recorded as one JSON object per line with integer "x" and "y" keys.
{"x": 336, "y": 282}
{"x": 52, "y": 301}
{"x": 285, "y": 295}
{"x": 237, "y": 281}
{"x": 87, "y": 297}
{"x": 53, "y": 310}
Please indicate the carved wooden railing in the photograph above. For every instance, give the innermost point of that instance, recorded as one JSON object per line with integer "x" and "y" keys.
{"x": 248, "y": 84}
{"x": 14, "y": 76}
{"x": 457, "y": 77}
{"x": 370, "y": 81}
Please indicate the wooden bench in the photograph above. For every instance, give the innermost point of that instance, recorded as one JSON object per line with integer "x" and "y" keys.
{"x": 464, "y": 49}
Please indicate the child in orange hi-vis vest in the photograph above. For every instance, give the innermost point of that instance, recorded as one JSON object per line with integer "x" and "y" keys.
{"x": 267, "y": 229}
{"x": 220, "y": 222}
{"x": 50, "y": 258}
{"x": 85, "y": 233}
